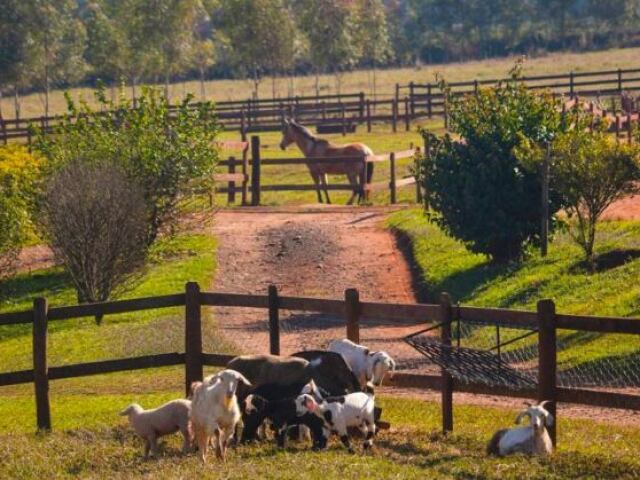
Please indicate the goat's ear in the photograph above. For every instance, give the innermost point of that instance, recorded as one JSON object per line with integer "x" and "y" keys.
{"x": 242, "y": 378}
{"x": 521, "y": 416}
{"x": 193, "y": 387}
{"x": 367, "y": 351}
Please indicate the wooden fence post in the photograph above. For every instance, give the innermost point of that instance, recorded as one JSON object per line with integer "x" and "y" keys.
{"x": 245, "y": 172}
{"x": 343, "y": 119}
{"x": 394, "y": 115}
{"x": 618, "y": 124}
{"x": 4, "y": 130}
{"x": 40, "y": 368}
{"x": 544, "y": 231}
{"x": 446, "y": 114}
{"x": 397, "y": 97}
{"x": 392, "y": 174}
{"x": 361, "y": 106}
{"x": 547, "y": 360}
{"x": 231, "y": 193}
{"x": 192, "y": 336}
{"x": 570, "y": 84}
{"x": 619, "y": 81}
{"x": 274, "y": 321}
{"x": 429, "y": 104}
{"x": 412, "y": 97}
{"x": 629, "y": 129}
{"x": 446, "y": 317}
{"x": 368, "y": 116}
{"x": 352, "y": 314}
{"x": 407, "y": 116}
{"x": 255, "y": 170}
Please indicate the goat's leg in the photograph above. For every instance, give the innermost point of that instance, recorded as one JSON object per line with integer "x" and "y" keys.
{"x": 202, "y": 440}
{"x": 186, "y": 440}
{"x": 369, "y": 431}
{"x": 153, "y": 443}
{"x": 147, "y": 447}
{"x": 218, "y": 443}
{"x": 344, "y": 438}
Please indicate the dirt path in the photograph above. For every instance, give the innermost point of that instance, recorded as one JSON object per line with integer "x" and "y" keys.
{"x": 320, "y": 252}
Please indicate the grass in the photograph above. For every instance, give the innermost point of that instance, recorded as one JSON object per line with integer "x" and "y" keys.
{"x": 187, "y": 257}
{"x": 93, "y": 442}
{"x": 33, "y": 105}
{"x": 445, "y": 265}
{"x": 381, "y": 140}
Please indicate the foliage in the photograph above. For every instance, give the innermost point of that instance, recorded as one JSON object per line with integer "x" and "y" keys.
{"x": 95, "y": 219}
{"x": 592, "y": 170}
{"x": 19, "y": 177}
{"x": 166, "y": 152}
{"x": 483, "y": 193}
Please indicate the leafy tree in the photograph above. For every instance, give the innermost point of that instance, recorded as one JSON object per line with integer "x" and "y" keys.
{"x": 373, "y": 35}
{"x": 163, "y": 151}
{"x": 591, "y": 171}
{"x": 482, "y": 192}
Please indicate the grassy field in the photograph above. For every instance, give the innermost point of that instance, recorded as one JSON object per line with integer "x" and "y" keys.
{"x": 33, "y": 105}
{"x": 446, "y": 266}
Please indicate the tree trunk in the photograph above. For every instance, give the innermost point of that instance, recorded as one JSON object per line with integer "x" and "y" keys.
{"x": 16, "y": 101}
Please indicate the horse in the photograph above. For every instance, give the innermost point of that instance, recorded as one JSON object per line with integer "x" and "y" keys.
{"x": 312, "y": 147}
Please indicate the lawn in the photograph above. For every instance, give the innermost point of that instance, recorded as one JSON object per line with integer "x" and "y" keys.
{"x": 33, "y": 105}
{"x": 445, "y": 265}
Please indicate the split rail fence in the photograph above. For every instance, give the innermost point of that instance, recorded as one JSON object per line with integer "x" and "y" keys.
{"x": 355, "y": 313}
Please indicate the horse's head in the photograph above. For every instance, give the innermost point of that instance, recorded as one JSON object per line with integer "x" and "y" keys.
{"x": 288, "y": 134}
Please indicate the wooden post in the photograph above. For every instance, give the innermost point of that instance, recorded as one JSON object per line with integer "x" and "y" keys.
{"x": 544, "y": 232}
{"x": 397, "y": 97}
{"x": 394, "y": 115}
{"x": 618, "y": 125}
{"x": 192, "y": 336}
{"x": 40, "y": 368}
{"x": 547, "y": 361}
{"x": 274, "y": 321}
{"x": 29, "y": 139}
{"x": 255, "y": 170}
{"x": 571, "y": 85}
{"x": 619, "y": 81}
{"x": 407, "y": 116}
{"x": 4, "y": 130}
{"x": 361, "y": 106}
{"x": 245, "y": 172}
{"x": 446, "y": 115}
{"x": 368, "y": 116}
{"x": 231, "y": 194}
{"x": 446, "y": 317}
{"x": 352, "y": 314}
{"x": 412, "y": 97}
{"x": 392, "y": 182}
{"x": 629, "y": 129}
{"x": 343, "y": 119}
{"x": 429, "y": 104}
{"x": 243, "y": 128}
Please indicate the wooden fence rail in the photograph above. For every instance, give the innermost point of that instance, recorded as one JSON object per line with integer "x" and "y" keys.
{"x": 355, "y": 313}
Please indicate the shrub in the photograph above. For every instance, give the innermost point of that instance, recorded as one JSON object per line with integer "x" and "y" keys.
{"x": 164, "y": 151}
{"x": 592, "y": 171}
{"x": 484, "y": 195}
{"x": 19, "y": 175}
{"x": 95, "y": 219}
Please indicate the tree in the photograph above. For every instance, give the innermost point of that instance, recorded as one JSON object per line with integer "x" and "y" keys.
{"x": 591, "y": 171}
{"x": 483, "y": 193}
{"x": 166, "y": 152}
{"x": 265, "y": 38}
{"x": 329, "y": 27}
{"x": 95, "y": 219}
{"x": 373, "y": 35}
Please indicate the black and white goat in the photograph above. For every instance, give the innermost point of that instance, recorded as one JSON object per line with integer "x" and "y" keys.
{"x": 366, "y": 365}
{"x": 339, "y": 413}
{"x": 531, "y": 440}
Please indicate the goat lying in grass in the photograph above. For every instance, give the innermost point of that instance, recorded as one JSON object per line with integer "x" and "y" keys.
{"x": 531, "y": 440}
{"x": 164, "y": 420}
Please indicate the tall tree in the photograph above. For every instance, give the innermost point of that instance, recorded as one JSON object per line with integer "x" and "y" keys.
{"x": 13, "y": 49}
{"x": 373, "y": 35}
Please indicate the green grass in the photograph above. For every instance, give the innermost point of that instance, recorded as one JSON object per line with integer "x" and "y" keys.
{"x": 187, "y": 257}
{"x": 445, "y": 265}
{"x": 381, "y": 140}
{"x": 360, "y": 80}
{"x": 94, "y": 442}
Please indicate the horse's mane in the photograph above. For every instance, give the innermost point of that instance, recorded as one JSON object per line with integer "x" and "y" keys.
{"x": 305, "y": 132}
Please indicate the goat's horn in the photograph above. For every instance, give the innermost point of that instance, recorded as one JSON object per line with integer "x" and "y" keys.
{"x": 544, "y": 403}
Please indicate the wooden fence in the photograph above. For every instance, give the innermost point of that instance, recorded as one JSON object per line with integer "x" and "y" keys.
{"x": 355, "y": 313}
{"x": 254, "y": 163}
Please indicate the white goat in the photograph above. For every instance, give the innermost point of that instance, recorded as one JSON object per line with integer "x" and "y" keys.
{"x": 152, "y": 424}
{"x": 532, "y": 440}
{"x": 367, "y": 366}
{"x": 215, "y": 411}
{"x": 340, "y": 413}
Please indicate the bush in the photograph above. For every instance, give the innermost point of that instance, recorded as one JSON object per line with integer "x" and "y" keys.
{"x": 19, "y": 175}
{"x": 95, "y": 219}
{"x": 164, "y": 151}
{"x": 592, "y": 171}
{"x": 483, "y": 193}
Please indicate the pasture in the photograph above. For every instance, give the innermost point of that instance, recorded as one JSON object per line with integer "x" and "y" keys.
{"x": 357, "y": 81}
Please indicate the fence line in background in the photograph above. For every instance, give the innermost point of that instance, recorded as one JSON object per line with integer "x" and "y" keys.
{"x": 354, "y": 311}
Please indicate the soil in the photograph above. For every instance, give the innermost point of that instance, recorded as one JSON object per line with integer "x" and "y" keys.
{"x": 319, "y": 252}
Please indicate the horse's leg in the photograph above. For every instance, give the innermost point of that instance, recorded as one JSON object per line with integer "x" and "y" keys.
{"x": 325, "y": 182}
{"x": 316, "y": 181}
{"x": 353, "y": 181}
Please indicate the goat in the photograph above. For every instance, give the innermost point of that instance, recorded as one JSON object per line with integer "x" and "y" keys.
{"x": 532, "y": 440}
{"x": 283, "y": 414}
{"x": 215, "y": 410}
{"x": 340, "y": 413}
{"x": 164, "y": 420}
{"x": 261, "y": 369}
{"x": 331, "y": 372}
{"x": 367, "y": 366}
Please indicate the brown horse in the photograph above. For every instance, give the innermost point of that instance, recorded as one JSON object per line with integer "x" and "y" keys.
{"x": 313, "y": 147}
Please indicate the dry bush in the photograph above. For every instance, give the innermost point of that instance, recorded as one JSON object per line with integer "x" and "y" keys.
{"x": 96, "y": 222}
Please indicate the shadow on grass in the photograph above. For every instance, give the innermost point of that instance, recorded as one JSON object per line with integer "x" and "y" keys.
{"x": 33, "y": 284}
{"x": 606, "y": 261}
{"x": 460, "y": 285}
